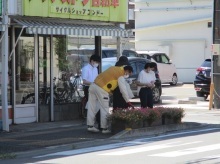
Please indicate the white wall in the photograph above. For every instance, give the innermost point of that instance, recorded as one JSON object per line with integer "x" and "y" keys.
{"x": 181, "y": 30}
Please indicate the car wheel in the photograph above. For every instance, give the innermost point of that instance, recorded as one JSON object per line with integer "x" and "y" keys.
{"x": 174, "y": 80}
{"x": 156, "y": 94}
{"x": 202, "y": 94}
{"x": 199, "y": 94}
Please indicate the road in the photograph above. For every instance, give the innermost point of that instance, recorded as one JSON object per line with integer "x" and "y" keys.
{"x": 180, "y": 91}
{"x": 192, "y": 146}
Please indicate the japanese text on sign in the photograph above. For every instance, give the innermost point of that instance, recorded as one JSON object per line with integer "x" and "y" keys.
{"x": 75, "y": 11}
{"x": 95, "y": 3}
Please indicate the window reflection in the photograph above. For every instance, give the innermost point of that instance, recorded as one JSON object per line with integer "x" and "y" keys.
{"x": 24, "y": 60}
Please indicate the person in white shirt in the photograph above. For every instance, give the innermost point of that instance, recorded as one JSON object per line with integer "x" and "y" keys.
{"x": 89, "y": 73}
{"x": 145, "y": 83}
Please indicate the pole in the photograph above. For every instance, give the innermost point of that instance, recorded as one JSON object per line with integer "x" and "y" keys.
{"x": 4, "y": 80}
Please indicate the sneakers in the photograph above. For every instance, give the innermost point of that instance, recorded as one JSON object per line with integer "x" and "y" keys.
{"x": 93, "y": 129}
{"x": 106, "y": 131}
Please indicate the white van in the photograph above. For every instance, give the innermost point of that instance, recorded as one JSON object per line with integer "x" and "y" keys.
{"x": 166, "y": 68}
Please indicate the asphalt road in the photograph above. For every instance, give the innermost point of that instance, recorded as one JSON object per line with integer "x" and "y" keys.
{"x": 192, "y": 146}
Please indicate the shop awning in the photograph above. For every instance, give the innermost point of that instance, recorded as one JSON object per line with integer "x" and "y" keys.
{"x": 66, "y": 28}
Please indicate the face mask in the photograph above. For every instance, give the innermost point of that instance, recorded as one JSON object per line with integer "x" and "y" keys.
{"x": 95, "y": 65}
{"x": 126, "y": 76}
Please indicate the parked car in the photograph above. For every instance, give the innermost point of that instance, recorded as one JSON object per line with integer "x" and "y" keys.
{"x": 106, "y": 52}
{"x": 78, "y": 58}
{"x": 166, "y": 68}
{"x": 203, "y": 79}
{"x": 137, "y": 64}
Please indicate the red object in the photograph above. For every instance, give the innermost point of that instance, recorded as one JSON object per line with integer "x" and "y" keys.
{"x": 130, "y": 104}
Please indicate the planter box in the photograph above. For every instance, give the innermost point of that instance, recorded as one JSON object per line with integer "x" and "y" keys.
{"x": 154, "y": 123}
{"x": 10, "y": 113}
{"x": 61, "y": 112}
{"x": 118, "y": 125}
{"x": 26, "y": 77}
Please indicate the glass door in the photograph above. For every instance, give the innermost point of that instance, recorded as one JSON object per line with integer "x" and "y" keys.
{"x": 44, "y": 89}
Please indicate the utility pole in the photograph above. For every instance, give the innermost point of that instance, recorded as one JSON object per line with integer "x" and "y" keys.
{"x": 216, "y": 55}
{"x": 4, "y": 75}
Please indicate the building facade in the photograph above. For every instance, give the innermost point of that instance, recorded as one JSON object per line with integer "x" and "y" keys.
{"x": 37, "y": 69}
{"x": 181, "y": 28}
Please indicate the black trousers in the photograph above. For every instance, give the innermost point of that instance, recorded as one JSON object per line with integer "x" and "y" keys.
{"x": 146, "y": 97}
{"x": 118, "y": 100}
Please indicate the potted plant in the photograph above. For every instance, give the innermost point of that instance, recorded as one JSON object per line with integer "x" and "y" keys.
{"x": 121, "y": 119}
{"x": 133, "y": 118}
{"x": 151, "y": 116}
{"x": 171, "y": 115}
{"x": 26, "y": 74}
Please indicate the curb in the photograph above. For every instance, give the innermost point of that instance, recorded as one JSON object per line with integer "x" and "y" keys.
{"x": 156, "y": 130}
{"x": 117, "y": 138}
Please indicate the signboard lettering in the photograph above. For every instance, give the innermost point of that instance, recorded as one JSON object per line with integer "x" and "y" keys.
{"x": 102, "y": 10}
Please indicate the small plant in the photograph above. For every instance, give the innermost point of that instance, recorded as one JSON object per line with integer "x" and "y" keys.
{"x": 129, "y": 115}
{"x": 7, "y": 156}
{"x": 25, "y": 70}
{"x": 145, "y": 116}
{"x": 173, "y": 113}
{"x": 150, "y": 115}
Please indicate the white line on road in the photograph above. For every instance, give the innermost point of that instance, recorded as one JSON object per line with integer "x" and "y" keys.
{"x": 148, "y": 148}
{"x": 119, "y": 145}
{"x": 188, "y": 151}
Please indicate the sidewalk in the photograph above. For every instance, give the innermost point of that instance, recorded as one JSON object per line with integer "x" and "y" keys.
{"x": 32, "y": 136}
{"x": 35, "y": 136}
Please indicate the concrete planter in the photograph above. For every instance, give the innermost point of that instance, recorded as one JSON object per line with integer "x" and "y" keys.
{"x": 61, "y": 112}
{"x": 119, "y": 125}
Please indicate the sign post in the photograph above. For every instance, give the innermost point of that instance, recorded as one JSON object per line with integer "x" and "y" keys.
{"x": 4, "y": 79}
{"x": 215, "y": 80}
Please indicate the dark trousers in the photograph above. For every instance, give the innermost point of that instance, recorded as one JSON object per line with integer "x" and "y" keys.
{"x": 118, "y": 100}
{"x": 86, "y": 93}
{"x": 146, "y": 97}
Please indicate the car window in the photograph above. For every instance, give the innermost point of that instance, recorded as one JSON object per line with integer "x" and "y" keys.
{"x": 157, "y": 58}
{"x": 206, "y": 64}
{"x": 147, "y": 56}
{"x": 129, "y": 53}
{"x": 132, "y": 54}
{"x": 140, "y": 66}
{"x": 164, "y": 59}
{"x": 109, "y": 53}
{"x": 134, "y": 68}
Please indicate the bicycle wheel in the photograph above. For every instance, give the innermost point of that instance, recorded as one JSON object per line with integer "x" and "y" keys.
{"x": 29, "y": 99}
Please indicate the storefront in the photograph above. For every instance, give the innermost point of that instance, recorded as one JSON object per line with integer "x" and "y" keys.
{"x": 37, "y": 53}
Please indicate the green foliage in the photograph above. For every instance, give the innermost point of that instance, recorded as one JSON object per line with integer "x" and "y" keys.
{"x": 7, "y": 156}
{"x": 60, "y": 50}
{"x": 172, "y": 112}
{"x": 25, "y": 70}
{"x": 130, "y": 115}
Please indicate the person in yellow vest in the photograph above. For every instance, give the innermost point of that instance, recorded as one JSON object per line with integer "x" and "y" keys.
{"x": 104, "y": 84}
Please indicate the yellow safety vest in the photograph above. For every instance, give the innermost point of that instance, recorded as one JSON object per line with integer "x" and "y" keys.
{"x": 108, "y": 80}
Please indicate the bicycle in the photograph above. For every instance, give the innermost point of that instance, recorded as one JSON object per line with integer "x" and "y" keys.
{"x": 44, "y": 96}
{"x": 71, "y": 90}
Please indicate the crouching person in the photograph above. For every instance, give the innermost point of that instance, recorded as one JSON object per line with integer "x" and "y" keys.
{"x": 104, "y": 84}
